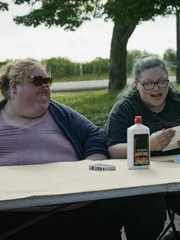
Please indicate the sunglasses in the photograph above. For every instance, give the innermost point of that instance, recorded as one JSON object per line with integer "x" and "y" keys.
{"x": 38, "y": 80}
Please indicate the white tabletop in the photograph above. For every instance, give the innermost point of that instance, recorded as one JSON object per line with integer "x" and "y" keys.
{"x": 65, "y": 182}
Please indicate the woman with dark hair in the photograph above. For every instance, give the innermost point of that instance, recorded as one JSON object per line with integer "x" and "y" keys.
{"x": 154, "y": 98}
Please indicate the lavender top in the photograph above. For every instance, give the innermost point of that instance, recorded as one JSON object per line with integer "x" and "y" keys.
{"x": 40, "y": 143}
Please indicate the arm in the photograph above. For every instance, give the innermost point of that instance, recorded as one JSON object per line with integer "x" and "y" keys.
{"x": 90, "y": 137}
{"x": 158, "y": 141}
{"x": 120, "y": 118}
{"x": 96, "y": 157}
{"x": 118, "y": 151}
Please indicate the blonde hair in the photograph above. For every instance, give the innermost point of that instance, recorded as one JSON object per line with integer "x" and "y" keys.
{"x": 17, "y": 70}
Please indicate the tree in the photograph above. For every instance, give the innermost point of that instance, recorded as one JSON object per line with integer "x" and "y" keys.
{"x": 125, "y": 14}
{"x": 3, "y": 6}
{"x": 170, "y": 57}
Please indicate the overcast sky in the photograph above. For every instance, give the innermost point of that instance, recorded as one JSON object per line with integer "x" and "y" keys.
{"x": 91, "y": 40}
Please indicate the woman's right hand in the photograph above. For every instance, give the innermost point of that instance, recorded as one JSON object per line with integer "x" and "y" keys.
{"x": 159, "y": 140}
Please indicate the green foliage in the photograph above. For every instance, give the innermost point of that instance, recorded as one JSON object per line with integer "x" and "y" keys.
{"x": 63, "y": 70}
{"x": 71, "y": 14}
{"x": 3, "y": 6}
{"x": 68, "y": 14}
{"x": 126, "y": 14}
{"x": 170, "y": 57}
{"x": 142, "y": 10}
{"x": 95, "y": 105}
{"x": 86, "y": 77}
{"x": 98, "y": 66}
{"x": 132, "y": 57}
{"x": 61, "y": 67}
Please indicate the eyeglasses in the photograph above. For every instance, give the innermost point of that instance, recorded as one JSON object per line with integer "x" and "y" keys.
{"x": 150, "y": 85}
{"x": 38, "y": 80}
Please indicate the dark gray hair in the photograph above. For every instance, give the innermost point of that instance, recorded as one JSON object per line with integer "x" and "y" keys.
{"x": 141, "y": 65}
{"x": 148, "y": 62}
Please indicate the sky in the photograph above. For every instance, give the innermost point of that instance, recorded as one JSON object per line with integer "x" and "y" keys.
{"x": 91, "y": 40}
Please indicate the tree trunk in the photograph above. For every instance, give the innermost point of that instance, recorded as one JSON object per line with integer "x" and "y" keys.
{"x": 120, "y": 37}
{"x": 178, "y": 48}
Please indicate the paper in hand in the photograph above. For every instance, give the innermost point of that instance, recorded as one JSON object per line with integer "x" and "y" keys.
{"x": 173, "y": 143}
{"x": 177, "y": 159}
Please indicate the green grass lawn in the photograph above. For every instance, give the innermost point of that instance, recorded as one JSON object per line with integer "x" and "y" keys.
{"x": 95, "y": 105}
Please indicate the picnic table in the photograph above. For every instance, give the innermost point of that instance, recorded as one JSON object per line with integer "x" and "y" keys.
{"x": 63, "y": 183}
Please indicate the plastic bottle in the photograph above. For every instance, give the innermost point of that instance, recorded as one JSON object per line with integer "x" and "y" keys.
{"x": 138, "y": 146}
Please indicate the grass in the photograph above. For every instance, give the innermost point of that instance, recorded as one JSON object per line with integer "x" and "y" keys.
{"x": 95, "y": 105}
{"x": 172, "y": 72}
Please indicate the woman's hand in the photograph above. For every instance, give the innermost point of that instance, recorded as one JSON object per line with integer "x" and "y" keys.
{"x": 159, "y": 140}
{"x": 178, "y": 143}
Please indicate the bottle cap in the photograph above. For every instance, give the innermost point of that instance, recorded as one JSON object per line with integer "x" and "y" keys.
{"x": 138, "y": 119}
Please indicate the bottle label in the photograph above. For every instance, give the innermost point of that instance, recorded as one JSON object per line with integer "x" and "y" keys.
{"x": 141, "y": 149}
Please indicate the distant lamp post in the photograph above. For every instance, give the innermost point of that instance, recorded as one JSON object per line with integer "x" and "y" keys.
{"x": 80, "y": 69}
{"x": 178, "y": 48}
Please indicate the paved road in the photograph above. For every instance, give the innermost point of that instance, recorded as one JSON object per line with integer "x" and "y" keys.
{"x": 85, "y": 85}
{"x": 79, "y": 86}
